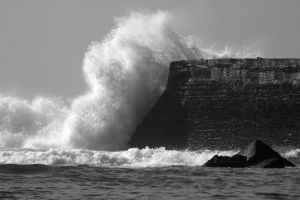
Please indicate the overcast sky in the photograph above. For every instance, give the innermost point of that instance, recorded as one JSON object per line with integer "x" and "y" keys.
{"x": 42, "y": 42}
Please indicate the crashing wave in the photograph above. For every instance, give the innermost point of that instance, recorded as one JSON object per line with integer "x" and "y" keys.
{"x": 125, "y": 74}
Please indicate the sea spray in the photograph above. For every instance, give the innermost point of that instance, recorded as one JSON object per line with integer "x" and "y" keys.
{"x": 125, "y": 73}
{"x": 22, "y": 121}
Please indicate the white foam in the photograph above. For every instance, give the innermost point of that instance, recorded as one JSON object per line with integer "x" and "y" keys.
{"x": 293, "y": 153}
{"x": 133, "y": 157}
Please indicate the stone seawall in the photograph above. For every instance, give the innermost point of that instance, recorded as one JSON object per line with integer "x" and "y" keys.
{"x": 225, "y": 102}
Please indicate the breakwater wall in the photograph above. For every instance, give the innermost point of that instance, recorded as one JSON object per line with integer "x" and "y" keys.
{"x": 225, "y": 102}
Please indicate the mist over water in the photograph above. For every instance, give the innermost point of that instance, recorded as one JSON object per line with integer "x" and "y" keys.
{"x": 125, "y": 73}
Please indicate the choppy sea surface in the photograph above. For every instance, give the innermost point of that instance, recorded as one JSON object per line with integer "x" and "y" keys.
{"x": 139, "y": 174}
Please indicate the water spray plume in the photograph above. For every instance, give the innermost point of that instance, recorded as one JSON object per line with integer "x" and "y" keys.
{"x": 125, "y": 73}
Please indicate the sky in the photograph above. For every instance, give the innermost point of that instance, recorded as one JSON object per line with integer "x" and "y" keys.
{"x": 43, "y": 42}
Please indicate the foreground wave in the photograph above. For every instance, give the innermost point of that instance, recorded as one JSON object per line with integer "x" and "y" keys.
{"x": 133, "y": 157}
{"x": 147, "y": 157}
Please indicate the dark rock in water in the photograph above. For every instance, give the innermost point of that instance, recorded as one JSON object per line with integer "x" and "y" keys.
{"x": 257, "y": 154}
{"x": 227, "y": 161}
{"x": 261, "y": 155}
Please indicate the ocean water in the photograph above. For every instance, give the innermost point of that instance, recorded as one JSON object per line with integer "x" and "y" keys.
{"x": 139, "y": 174}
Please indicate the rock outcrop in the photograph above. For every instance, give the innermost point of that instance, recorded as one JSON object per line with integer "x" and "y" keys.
{"x": 223, "y": 103}
{"x": 227, "y": 161}
{"x": 257, "y": 154}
